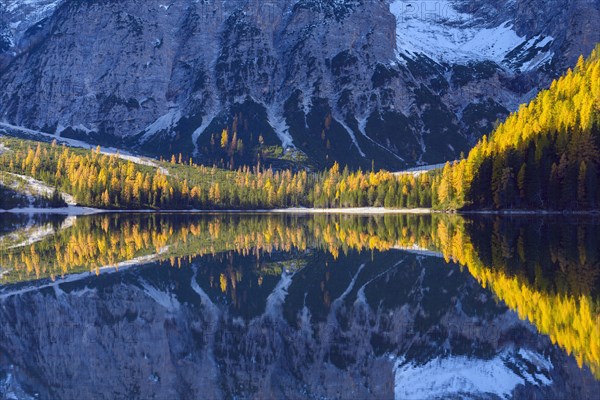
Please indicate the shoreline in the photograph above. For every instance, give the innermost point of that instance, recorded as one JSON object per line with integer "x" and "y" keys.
{"x": 529, "y": 213}
{"x": 68, "y": 211}
{"x": 83, "y": 211}
{"x": 77, "y": 210}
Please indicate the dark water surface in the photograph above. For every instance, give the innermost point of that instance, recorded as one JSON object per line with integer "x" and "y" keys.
{"x": 279, "y": 306}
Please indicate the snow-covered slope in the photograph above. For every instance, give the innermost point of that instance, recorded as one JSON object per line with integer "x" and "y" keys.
{"x": 436, "y": 29}
{"x": 32, "y": 10}
{"x": 463, "y": 377}
{"x": 20, "y": 15}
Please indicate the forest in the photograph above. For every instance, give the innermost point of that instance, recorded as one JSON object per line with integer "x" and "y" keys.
{"x": 544, "y": 156}
{"x": 110, "y": 182}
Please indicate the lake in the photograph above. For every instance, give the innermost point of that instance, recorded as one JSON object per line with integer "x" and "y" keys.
{"x": 168, "y": 306}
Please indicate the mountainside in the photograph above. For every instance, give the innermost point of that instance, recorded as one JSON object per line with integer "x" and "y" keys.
{"x": 544, "y": 156}
{"x": 393, "y": 83}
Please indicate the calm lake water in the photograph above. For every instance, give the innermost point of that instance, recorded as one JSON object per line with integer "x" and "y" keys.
{"x": 279, "y": 306}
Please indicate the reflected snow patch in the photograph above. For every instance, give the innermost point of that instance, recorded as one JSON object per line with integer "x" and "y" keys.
{"x": 165, "y": 299}
{"x": 463, "y": 376}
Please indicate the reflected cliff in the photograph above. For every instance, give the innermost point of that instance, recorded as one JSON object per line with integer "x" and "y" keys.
{"x": 271, "y": 306}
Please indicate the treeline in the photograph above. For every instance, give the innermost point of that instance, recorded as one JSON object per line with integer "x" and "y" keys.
{"x": 544, "y": 156}
{"x": 108, "y": 181}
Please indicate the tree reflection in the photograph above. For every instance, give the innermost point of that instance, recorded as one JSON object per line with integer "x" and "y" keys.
{"x": 547, "y": 270}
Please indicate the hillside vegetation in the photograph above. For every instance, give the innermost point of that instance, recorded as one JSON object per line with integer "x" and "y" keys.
{"x": 107, "y": 181}
{"x": 544, "y": 156}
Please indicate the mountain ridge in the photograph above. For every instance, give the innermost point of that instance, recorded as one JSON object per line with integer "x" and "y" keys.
{"x": 324, "y": 81}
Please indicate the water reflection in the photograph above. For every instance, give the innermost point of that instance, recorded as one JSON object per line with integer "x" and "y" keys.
{"x": 279, "y": 305}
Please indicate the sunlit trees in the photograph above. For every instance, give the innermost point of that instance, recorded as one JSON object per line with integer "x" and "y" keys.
{"x": 545, "y": 155}
{"x": 534, "y": 159}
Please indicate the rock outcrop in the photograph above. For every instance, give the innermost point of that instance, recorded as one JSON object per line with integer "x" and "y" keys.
{"x": 390, "y": 82}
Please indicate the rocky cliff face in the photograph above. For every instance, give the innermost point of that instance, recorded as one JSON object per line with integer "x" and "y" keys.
{"x": 360, "y": 326}
{"x": 391, "y": 81}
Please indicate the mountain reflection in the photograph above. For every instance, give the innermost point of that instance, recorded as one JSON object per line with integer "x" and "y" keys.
{"x": 547, "y": 270}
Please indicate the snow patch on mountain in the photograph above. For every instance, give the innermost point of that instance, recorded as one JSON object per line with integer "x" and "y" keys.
{"x": 206, "y": 120}
{"x": 532, "y": 54}
{"x": 352, "y": 137}
{"x": 280, "y": 126}
{"x": 26, "y": 13}
{"x": 437, "y": 30}
{"x": 11, "y": 388}
{"x": 32, "y": 187}
{"x": 163, "y": 123}
{"x": 362, "y": 128}
{"x": 39, "y": 6}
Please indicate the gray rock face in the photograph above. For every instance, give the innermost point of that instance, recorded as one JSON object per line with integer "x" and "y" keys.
{"x": 389, "y": 81}
{"x": 363, "y": 327}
